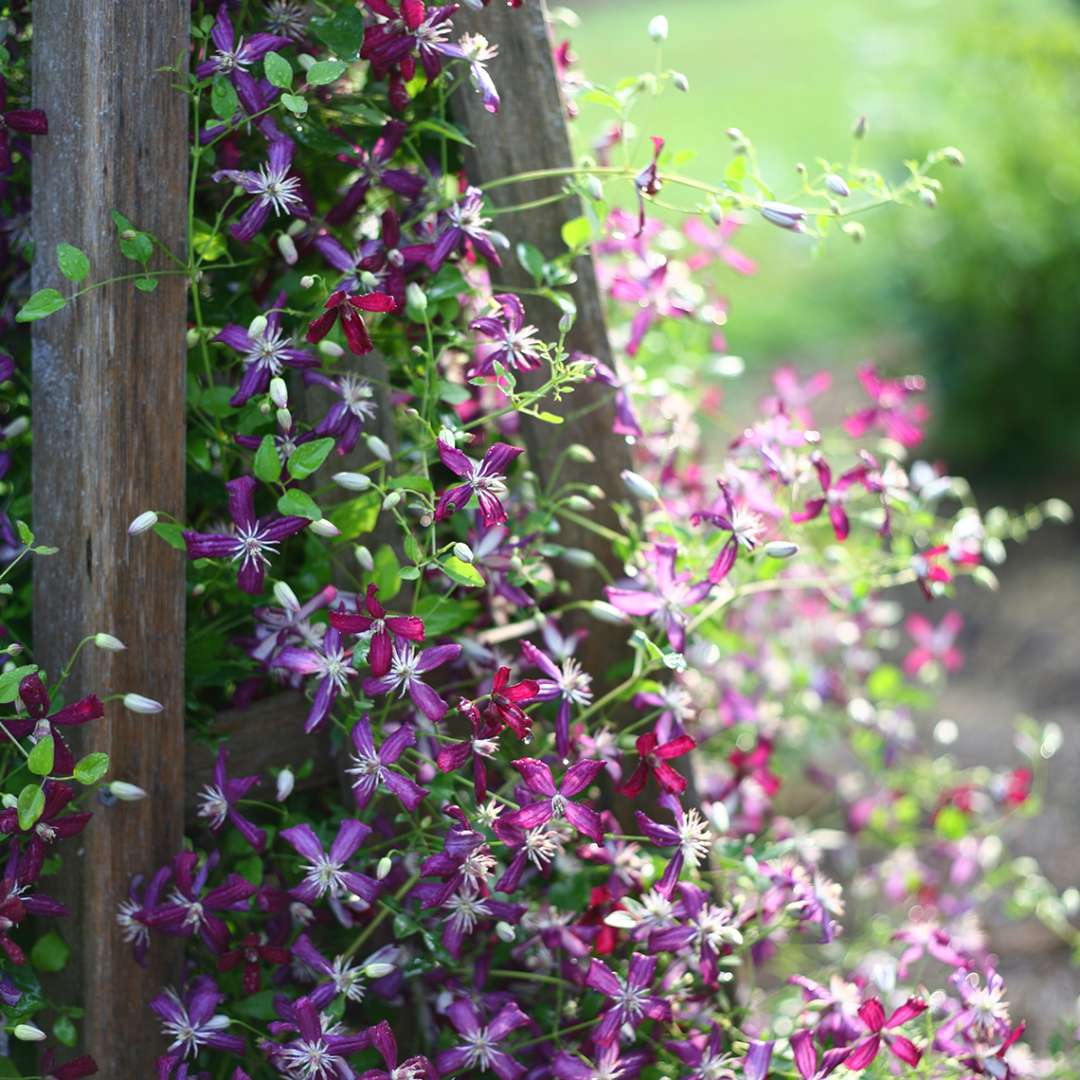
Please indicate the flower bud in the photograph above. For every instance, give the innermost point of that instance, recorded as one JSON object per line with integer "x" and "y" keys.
{"x": 28, "y": 1033}
{"x": 391, "y": 500}
{"x": 125, "y": 792}
{"x": 928, "y": 198}
{"x": 860, "y": 128}
{"x": 680, "y": 82}
{"x": 191, "y": 338}
{"x": 284, "y": 419}
{"x": 363, "y": 557}
{"x": 279, "y": 392}
{"x": 464, "y": 552}
{"x": 579, "y": 557}
{"x": 287, "y": 247}
{"x": 621, "y": 920}
{"x": 637, "y": 485}
{"x": 331, "y": 349}
{"x": 378, "y": 970}
{"x": 658, "y": 28}
{"x": 136, "y": 703}
{"x": 415, "y": 298}
{"x": 594, "y": 188}
{"x": 144, "y": 522}
{"x": 505, "y": 932}
{"x": 306, "y": 61}
{"x": 579, "y": 452}
{"x": 953, "y": 156}
{"x": 284, "y": 595}
{"x": 9, "y": 800}
{"x": 352, "y": 481}
{"x": 109, "y": 643}
{"x": 385, "y": 865}
{"x": 286, "y": 781}
{"x": 324, "y": 527}
{"x": 307, "y": 281}
{"x": 855, "y": 229}
{"x": 780, "y": 549}
{"x": 566, "y": 323}
{"x": 17, "y": 427}
{"x": 257, "y": 326}
{"x": 783, "y": 215}
{"x": 378, "y": 447}
{"x": 580, "y": 504}
{"x": 837, "y": 185}
{"x": 605, "y": 612}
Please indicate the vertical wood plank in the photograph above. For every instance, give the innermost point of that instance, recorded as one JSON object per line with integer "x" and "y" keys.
{"x": 108, "y": 415}
{"x": 529, "y": 132}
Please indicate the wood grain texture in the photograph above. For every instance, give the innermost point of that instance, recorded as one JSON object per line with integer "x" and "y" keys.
{"x": 108, "y": 395}
{"x": 529, "y": 132}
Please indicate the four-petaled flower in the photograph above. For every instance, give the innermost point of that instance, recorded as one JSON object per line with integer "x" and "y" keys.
{"x": 385, "y": 629}
{"x": 406, "y": 667}
{"x": 218, "y": 802}
{"x": 934, "y": 643}
{"x": 511, "y": 343}
{"x": 340, "y": 305}
{"x": 631, "y": 1000}
{"x": 873, "y": 1017}
{"x": 371, "y": 767}
{"x": 653, "y": 757}
{"x": 192, "y": 1023}
{"x": 316, "y": 1053}
{"x": 486, "y": 478}
{"x": 330, "y": 662}
{"x": 325, "y": 871}
{"x": 479, "y": 1046}
{"x": 745, "y": 526}
{"x": 567, "y": 681}
{"x": 557, "y": 803}
{"x": 899, "y": 418}
{"x": 833, "y": 495}
{"x": 35, "y": 698}
{"x": 274, "y": 189}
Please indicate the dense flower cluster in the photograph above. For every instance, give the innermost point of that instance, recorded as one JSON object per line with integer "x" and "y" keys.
{"x": 534, "y": 866}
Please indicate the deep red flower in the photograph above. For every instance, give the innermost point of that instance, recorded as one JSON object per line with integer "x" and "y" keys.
{"x": 653, "y": 757}
{"x": 352, "y": 323}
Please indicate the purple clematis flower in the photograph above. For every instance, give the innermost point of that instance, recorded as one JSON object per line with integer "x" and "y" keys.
{"x": 702, "y": 926}
{"x": 806, "y": 1057}
{"x": 371, "y": 164}
{"x": 485, "y": 478}
{"x": 51, "y": 826}
{"x": 713, "y": 242}
{"x": 233, "y": 56}
{"x": 415, "y": 31}
{"x": 133, "y": 914}
{"x": 254, "y": 536}
{"x": 668, "y": 600}
{"x": 705, "y": 1056}
{"x": 558, "y": 803}
{"x": 217, "y": 802}
{"x": 690, "y": 836}
{"x": 415, "y": 1068}
{"x": 377, "y": 265}
{"x": 276, "y": 625}
{"x": 609, "y": 1062}
{"x": 75, "y": 1069}
{"x": 191, "y": 1022}
{"x": 265, "y": 354}
{"x": 833, "y": 495}
{"x": 35, "y": 698}
{"x": 330, "y": 663}
{"x": 511, "y": 343}
{"x": 479, "y": 1049}
{"x": 325, "y": 871}
{"x": 631, "y": 999}
{"x": 465, "y": 221}
{"x": 23, "y": 121}
{"x": 406, "y": 667}
{"x": 385, "y": 629}
{"x": 647, "y": 290}
{"x": 342, "y": 975}
{"x": 345, "y": 419}
{"x": 745, "y": 526}
{"x": 567, "y": 682}
{"x": 371, "y": 767}
{"x": 273, "y": 187}
{"x": 316, "y": 1054}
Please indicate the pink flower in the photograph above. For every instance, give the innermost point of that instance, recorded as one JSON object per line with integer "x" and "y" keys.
{"x": 934, "y": 642}
{"x": 873, "y": 1017}
{"x": 712, "y": 242}
{"x": 891, "y": 410}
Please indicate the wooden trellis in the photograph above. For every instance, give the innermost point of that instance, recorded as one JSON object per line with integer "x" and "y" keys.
{"x": 109, "y": 439}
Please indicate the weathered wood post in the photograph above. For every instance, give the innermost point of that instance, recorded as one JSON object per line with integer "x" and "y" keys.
{"x": 108, "y": 394}
{"x": 530, "y": 133}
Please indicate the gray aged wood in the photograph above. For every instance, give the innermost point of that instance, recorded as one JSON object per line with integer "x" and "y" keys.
{"x": 529, "y": 132}
{"x": 108, "y": 391}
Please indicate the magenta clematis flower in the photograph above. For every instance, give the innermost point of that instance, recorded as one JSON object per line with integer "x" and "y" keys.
{"x": 702, "y": 926}
{"x": 75, "y": 1069}
{"x": 385, "y": 629}
{"x": 667, "y": 602}
{"x": 793, "y": 396}
{"x": 343, "y": 976}
{"x": 465, "y": 221}
{"x": 252, "y": 951}
{"x": 647, "y": 183}
{"x": 505, "y": 702}
{"x": 631, "y": 999}
{"x": 690, "y": 836}
{"x": 481, "y": 745}
{"x": 276, "y": 625}
{"x": 406, "y": 667}
{"x": 414, "y": 1068}
{"x": 511, "y": 343}
{"x": 352, "y": 324}
{"x": 807, "y": 1061}
{"x": 133, "y": 915}
{"x": 705, "y": 1055}
{"x": 745, "y": 526}
{"x": 934, "y": 643}
{"x": 924, "y": 936}
{"x": 264, "y": 354}
{"x": 648, "y": 292}
{"x": 15, "y": 904}
{"x": 316, "y": 1053}
{"x": 217, "y": 802}
{"x": 51, "y": 826}
{"x": 345, "y": 419}
{"x": 485, "y": 478}
{"x": 330, "y": 663}
{"x": 191, "y": 1022}
{"x": 558, "y": 803}
{"x": 833, "y": 495}
{"x": 232, "y": 56}
{"x": 273, "y": 187}
{"x": 653, "y": 757}
{"x": 873, "y": 1017}
{"x": 898, "y": 418}
{"x": 609, "y": 1062}
{"x": 625, "y": 421}
{"x": 712, "y": 242}
{"x": 371, "y": 165}
{"x": 22, "y": 121}
{"x": 325, "y": 871}
{"x": 371, "y": 767}
{"x": 567, "y": 682}
{"x": 35, "y": 698}
{"x": 253, "y": 539}
{"x": 479, "y": 1048}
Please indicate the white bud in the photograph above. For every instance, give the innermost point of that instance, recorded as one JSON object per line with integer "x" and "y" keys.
{"x": 837, "y": 185}
{"x": 126, "y": 792}
{"x": 928, "y": 198}
{"x": 285, "y": 596}
{"x": 287, "y": 248}
{"x": 637, "y": 485}
{"x": 109, "y": 643}
{"x": 783, "y": 214}
{"x": 18, "y": 426}
{"x": 448, "y": 437}
{"x": 780, "y": 549}
{"x": 579, "y": 452}
{"x": 953, "y": 156}
{"x": 307, "y": 281}
{"x": 505, "y": 932}
{"x": 378, "y": 969}
{"x": 579, "y": 557}
{"x": 391, "y": 500}
{"x": 286, "y": 781}
{"x": 352, "y": 481}
{"x": 257, "y": 326}
{"x": 28, "y": 1033}
{"x": 306, "y": 61}
{"x": 144, "y": 522}
{"x": 855, "y": 229}
{"x": 621, "y": 920}
{"x": 658, "y": 28}
{"x": 284, "y": 419}
{"x": 9, "y": 801}
{"x": 580, "y": 504}
{"x": 594, "y": 188}
{"x": 385, "y": 865}
{"x": 192, "y": 338}
{"x": 324, "y": 527}
{"x": 279, "y": 392}
{"x": 680, "y": 82}
{"x": 331, "y": 349}
{"x": 363, "y": 557}
{"x": 605, "y": 612}
{"x": 415, "y": 297}
{"x": 136, "y": 703}
{"x": 464, "y": 552}
{"x": 378, "y": 447}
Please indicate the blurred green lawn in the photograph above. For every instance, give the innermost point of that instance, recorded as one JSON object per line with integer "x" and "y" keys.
{"x": 788, "y": 73}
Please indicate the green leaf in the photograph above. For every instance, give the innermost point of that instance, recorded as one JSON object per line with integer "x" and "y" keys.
{"x": 884, "y": 683}
{"x": 278, "y": 70}
{"x": 206, "y": 243}
{"x": 531, "y": 258}
{"x": 294, "y": 103}
{"x": 90, "y": 769}
{"x": 344, "y": 33}
{"x": 223, "y": 99}
{"x": 42, "y": 304}
{"x": 325, "y": 71}
{"x": 447, "y": 131}
{"x": 356, "y": 517}
{"x": 412, "y": 548}
{"x": 462, "y": 572}
{"x": 441, "y": 616}
{"x": 138, "y": 247}
{"x": 307, "y": 457}
{"x": 951, "y": 823}
{"x": 26, "y": 535}
{"x": 453, "y": 393}
{"x": 40, "y": 761}
{"x": 172, "y": 534}
{"x": 577, "y": 233}
{"x": 300, "y": 504}
{"x": 146, "y": 284}
{"x": 267, "y": 462}
{"x": 9, "y": 682}
{"x": 65, "y": 1032}
{"x": 122, "y": 224}
{"x": 386, "y": 576}
{"x": 30, "y": 804}
{"x": 74, "y": 264}
{"x": 412, "y": 482}
{"x": 50, "y": 953}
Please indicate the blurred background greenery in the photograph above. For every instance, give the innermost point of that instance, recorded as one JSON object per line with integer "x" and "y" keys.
{"x": 980, "y": 294}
